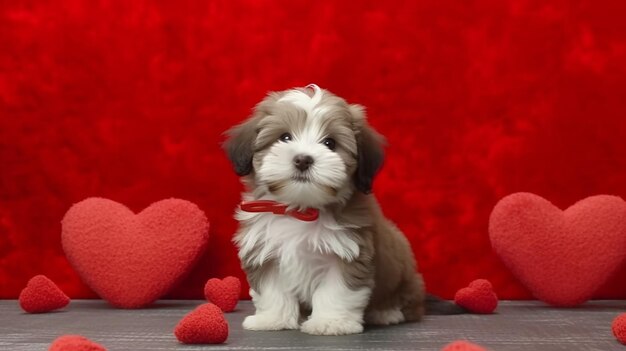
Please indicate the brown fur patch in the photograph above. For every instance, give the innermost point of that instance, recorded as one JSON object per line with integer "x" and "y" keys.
{"x": 386, "y": 262}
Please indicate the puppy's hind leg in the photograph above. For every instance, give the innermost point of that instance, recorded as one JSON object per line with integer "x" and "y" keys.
{"x": 413, "y": 298}
{"x": 388, "y": 316}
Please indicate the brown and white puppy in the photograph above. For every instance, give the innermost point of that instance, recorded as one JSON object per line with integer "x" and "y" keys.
{"x": 308, "y": 148}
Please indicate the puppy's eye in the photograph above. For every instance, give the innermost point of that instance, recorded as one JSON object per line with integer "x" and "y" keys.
{"x": 330, "y": 143}
{"x": 285, "y": 137}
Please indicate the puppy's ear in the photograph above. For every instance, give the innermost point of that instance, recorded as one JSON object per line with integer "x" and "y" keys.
{"x": 370, "y": 151}
{"x": 239, "y": 145}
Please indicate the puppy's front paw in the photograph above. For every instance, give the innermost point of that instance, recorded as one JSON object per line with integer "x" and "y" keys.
{"x": 268, "y": 322}
{"x": 330, "y": 326}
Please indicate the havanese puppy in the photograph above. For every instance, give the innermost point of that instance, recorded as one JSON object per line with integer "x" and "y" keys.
{"x": 317, "y": 250}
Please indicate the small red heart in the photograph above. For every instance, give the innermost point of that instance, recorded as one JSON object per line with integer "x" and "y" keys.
{"x": 204, "y": 325}
{"x": 224, "y": 293}
{"x": 619, "y": 328}
{"x": 42, "y": 295}
{"x": 478, "y": 297}
{"x": 463, "y": 346}
{"x": 74, "y": 343}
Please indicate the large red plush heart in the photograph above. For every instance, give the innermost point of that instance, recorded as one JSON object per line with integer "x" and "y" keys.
{"x": 562, "y": 257}
{"x": 42, "y": 295}
{"x": 478, "y": 297}
{"x": 130, "y": 259}
{"x": 223, "y": 293}
{"x": 204, "y": 325}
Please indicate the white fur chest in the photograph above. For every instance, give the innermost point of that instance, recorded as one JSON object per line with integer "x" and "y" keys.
{"x": 303, "y": 251}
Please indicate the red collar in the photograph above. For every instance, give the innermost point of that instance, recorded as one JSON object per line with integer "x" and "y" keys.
{"x": 307, "y": 215}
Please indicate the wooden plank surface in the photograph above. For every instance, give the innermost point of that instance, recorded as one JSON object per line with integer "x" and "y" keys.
{"x": 521, "y": 325}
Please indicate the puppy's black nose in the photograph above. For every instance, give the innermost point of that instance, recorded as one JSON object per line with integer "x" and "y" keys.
{"x": 303, "y": 162}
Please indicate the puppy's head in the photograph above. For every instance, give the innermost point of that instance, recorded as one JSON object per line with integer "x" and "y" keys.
{"x": 306, "y": 147}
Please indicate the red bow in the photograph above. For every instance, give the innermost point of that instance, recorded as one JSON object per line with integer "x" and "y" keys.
{"x": 308, "y": 215}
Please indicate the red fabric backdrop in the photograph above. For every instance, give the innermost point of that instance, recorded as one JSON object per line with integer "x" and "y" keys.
{"x": 128, "y": 99}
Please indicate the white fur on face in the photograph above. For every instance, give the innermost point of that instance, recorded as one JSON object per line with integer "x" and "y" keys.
{"x": 327, "y": 176}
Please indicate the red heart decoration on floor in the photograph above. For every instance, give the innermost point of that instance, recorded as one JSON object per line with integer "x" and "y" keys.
{"x": 204, "y": 325}
{"x": 478, "y": 297}
{"x": 42, "y": 295}
{"x": 562, "y": 257}
{"x": 618, "y": 326}
{"x": 74, "y": 343}
{"x": 463, "y": 346}
{"x": 130, "y": 259}
{"x": 223, "y": 293}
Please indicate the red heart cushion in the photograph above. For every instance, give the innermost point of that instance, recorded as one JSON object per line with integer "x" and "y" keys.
{"x": 462, "y": 346}
{"x": 130, "y": 259}
{"x": 42, "y": 295}
{"x": 224, "y": 293}
{"x": 74, "y": 343}
{"x": 204, "y": 325}
{"x": 478, "y": 297}
{"x": 619, "y": 328}
{"x": 562, "y": 257}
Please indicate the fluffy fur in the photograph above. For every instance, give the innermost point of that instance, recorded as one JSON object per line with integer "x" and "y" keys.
{"x": 352, "y": 265}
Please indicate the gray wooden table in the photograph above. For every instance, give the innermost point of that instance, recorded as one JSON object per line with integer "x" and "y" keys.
{"x": 522, "y": 325}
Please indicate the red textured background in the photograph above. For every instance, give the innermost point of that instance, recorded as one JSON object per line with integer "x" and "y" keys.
{"x": 128, "y": 99}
